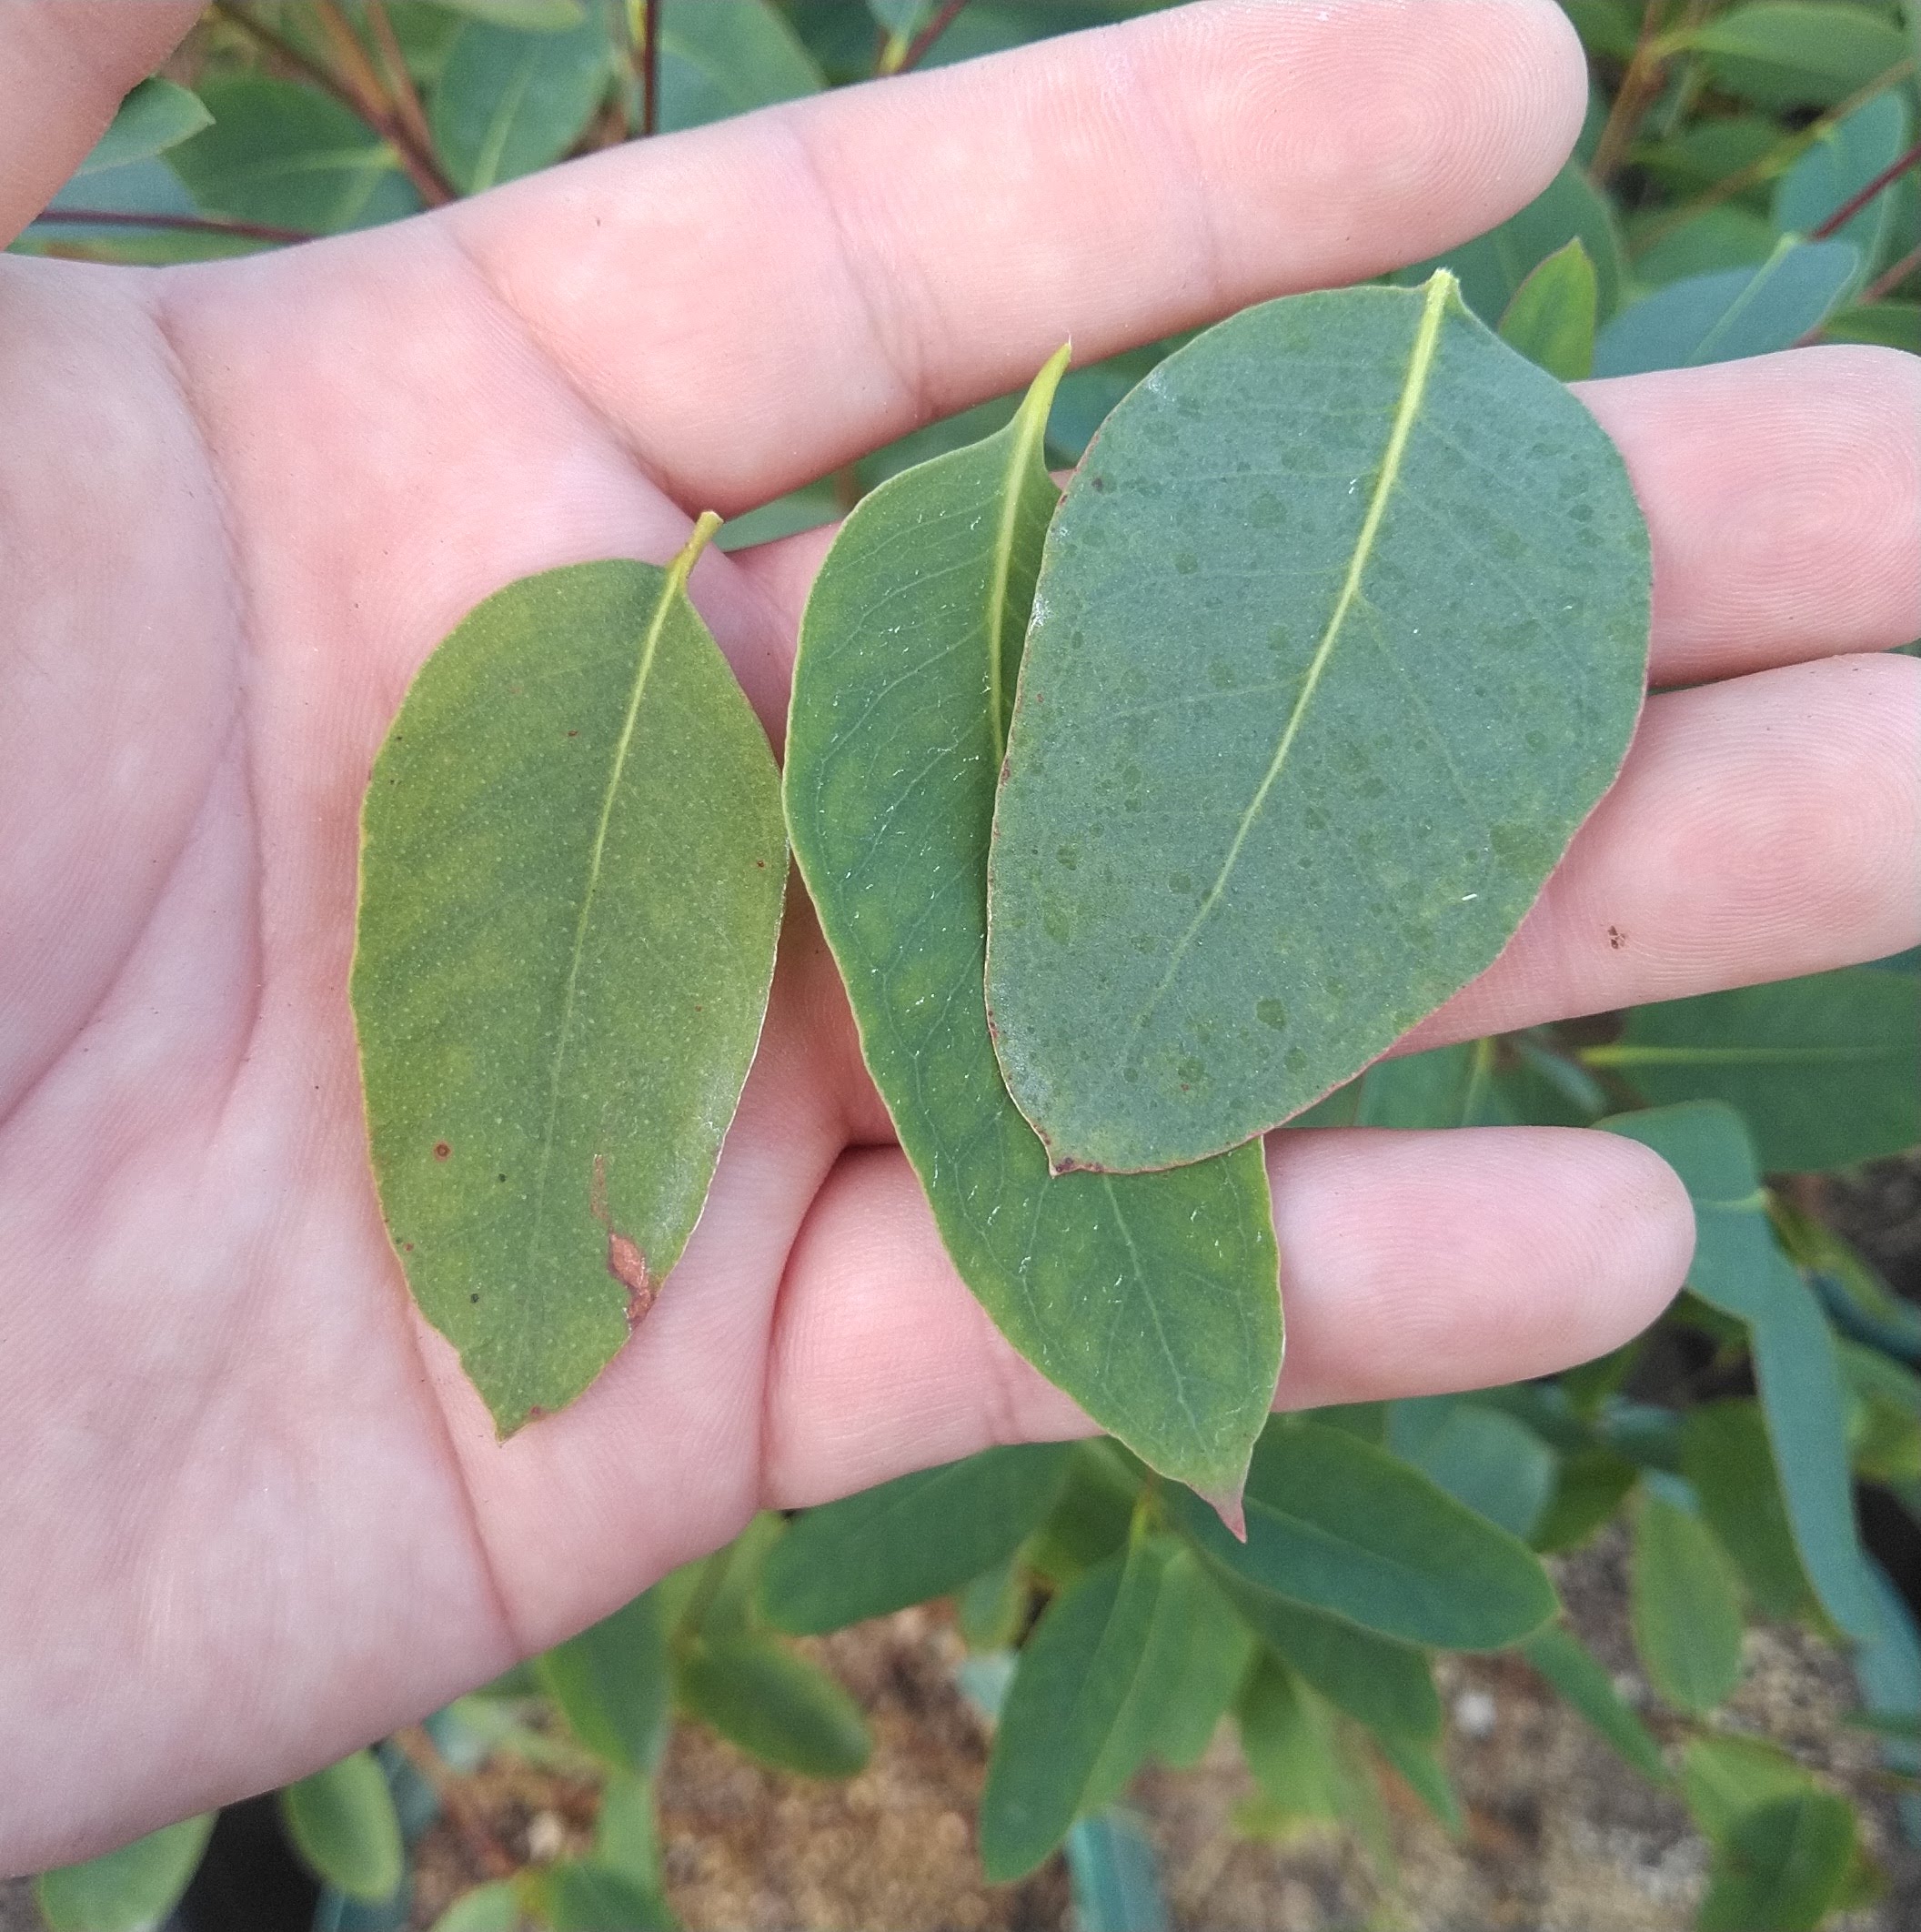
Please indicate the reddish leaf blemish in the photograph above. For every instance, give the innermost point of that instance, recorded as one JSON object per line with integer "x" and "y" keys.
{"x": 627, "y": 1266}
{"x": 441, "y": 1149}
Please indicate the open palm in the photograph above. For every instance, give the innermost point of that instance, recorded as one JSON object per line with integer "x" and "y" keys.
{"x": 252, "y": 1514}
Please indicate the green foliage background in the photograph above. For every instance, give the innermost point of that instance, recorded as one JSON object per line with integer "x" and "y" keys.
{"x": 1714, "y": 200}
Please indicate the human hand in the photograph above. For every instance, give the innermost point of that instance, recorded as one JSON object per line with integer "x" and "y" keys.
{"x": 255, "y": 1513}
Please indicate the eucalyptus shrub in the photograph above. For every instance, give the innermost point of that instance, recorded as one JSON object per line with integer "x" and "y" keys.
{"x": 1082, "y": 1014}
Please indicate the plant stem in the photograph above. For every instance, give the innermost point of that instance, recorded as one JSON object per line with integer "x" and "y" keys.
{"x": 393, "y": 62}
{"x": 189, "y": 224}
{"x": 1635, "y": 95}
{"x": 900, "y": 58}
{"x": 376, "y": 107}
{"x": 649, "y": 58}
{"x": 1889, "y": 279}
{"x": 1854, "y": 203}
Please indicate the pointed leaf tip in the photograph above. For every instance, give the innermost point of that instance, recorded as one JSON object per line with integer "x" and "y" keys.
{"x": 1230, "y": 1509}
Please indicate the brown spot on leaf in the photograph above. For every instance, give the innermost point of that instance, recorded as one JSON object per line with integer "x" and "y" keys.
{"x": 441, "y": 1149}
{"x": 627, "y": 1266}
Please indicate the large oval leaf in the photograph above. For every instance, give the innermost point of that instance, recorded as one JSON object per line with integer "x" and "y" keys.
{"x": 128, "y": 1890}
{"x": 1150, "y": 1302}
{"x": 343, "y": 1823}
{"x": 507, "y": 103}
{"x": 571, "y": 873}
{"x": 1339, "y": 1525}
{"x": 722, "y": 57}
{"x": 1341, "y": 633}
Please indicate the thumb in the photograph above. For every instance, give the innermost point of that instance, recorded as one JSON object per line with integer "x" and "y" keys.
{"x": 67, "y": 65}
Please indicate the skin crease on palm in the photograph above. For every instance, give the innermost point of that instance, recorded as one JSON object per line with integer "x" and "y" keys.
{"x": 252, "y": 1514}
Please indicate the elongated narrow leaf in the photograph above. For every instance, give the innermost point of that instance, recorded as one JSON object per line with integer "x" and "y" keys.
{"x": 290, "y": 155}
{"x": 613, "y": 1684}
{"x": 1336, "y": 1525}
{"x": 1578, "y": 1675}
{"x": 1151, "y": 1301}
{"x": 1071, "y": 1687}
{"x": 1551, "y": 320}
{"x": 343, "y": 1823}
{"x": 919, "y": 1537}
{"x": 507, "y": 103}
{"x": 128, "y": 1890}
{"x": 571, "y": 870}
{"x": 1389, "y": 1687}
{"x": 1419, "y": 1767}
{"x": 1739, "y": 1268}
{"x": 1726, "y": 1456}
{"x": 1843, "y": 159}
{"x": 1686, "y": 1606}
{"x": 1781, "y": 1866}
{"x": 1493, "y": 267}
{"x": 1738, "y": 312}
{"x": 1824, "y": 1070}
{"x": 775, "y": 1704}
{"x": 1340, "y": 634}
{"x": 158, "y": 115}
{"x": 1290, "y": 1744}
{"x": 1798, "y": 53}
{"x": 721, "y": 58}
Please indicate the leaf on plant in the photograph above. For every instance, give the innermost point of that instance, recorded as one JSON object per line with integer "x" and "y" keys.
{"x": 1737, "y": 312}
{"x": 1493, "y": 1462}
{"x": 343, "y": 1823}
{"x": 1781, "y": 1865}
{"x": 486, "y": 1908}
{"x": 1551, "y": 320}
{"x": 581, "y": 1894}
{"x": 1825, "y": 1070}
{"x": 1796, "y": 53}
{"x": 1739, "y": 1268}
{"x": 722, "y": 57}
{"x": 1337, "y": 1524}
{"x": 158, "y": 115}
{"x": 571, "y": 871}
{"x": 1072, "y": 1685}
{"x": 1726, "y": 1457}
{"x": 774, "y": 1705}
{"x": 1588, "y": 1489}
{"x": 1686, "y": 1606}
{"x": 1575, "y": 1671}
{"x": 289, "y": 156}
{"x": 1151, "y": 1301}
{"x": 919, "y": 1537}
{"x": 1290, "y": 1744}
{"x": 613, "y": 1684}
{"x": 1227, "y": 874}
{"x": 1845, "y": 156}
{"x": 534, "y": 16}
{"x": 507, "y": 102}
{"x": 128, "y": 1890}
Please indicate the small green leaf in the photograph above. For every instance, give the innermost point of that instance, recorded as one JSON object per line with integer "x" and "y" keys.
{"x": 1737, "y": 312}
{"x": 486, "y": 1908}
{"x": 1845, "y": 156}
{"x": 775, "y": 1705}
{"x": 129, "y": 1890}
{"x": 1588, "y": 1489}
{"x": 1891, "y": 325}
{"x": 507, "y": 103}
{"x": 1723, "y": 1777}
{"x": 1419, "y": 1767}
{"x": 722, "y": 57}
{"x": 1723, "y": 237}
{"x": 289, "y": 156}
{"x": 1826, "y": 1070}
{"x": 1494, "y": 267}
{"x": 613, "y": 1684}
{"x": 1073, "y": 1681}
{"x": 571, "y": 870}
{"x": 1796, "y": 53}
{"x": 1575, "y": 1671}
{"x": 1152, "y": 1301}
{"x": 1227, "y": 877}
{"x": 1290, "y": 1744}
{"x": 627, "y": 1834}
{"x": 158, "y": 115}
{"x": 1496, "y": 1466}
{"x": 1726, "y": 1457}
{"x": 1339, "y": 1525}
{"x": 343, "y": 1823}
{"x": 581, "y": 1894}
{"x": 1739, "y": 1268}
{"x": 537, "y": 17}
{"x": 1685, "y": 1604}
{"x": 919, "y": 1536}
{"x": 1551, "y": 320}
{"x": 1781, "y": 1866}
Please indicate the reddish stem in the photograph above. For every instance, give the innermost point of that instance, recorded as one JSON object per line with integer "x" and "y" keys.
{"x": 189, "y": 224}
{"x": 1852, "y": 205}
{"x": 917, "y": 48}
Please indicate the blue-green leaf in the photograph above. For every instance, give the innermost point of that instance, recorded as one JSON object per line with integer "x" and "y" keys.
{"x": 507, "y": 103}
{"x": 1496, "y": 1466}
{"x": 1685, "y": 1604}
{"x": 128, "y": 1890}
{"x": 1736, "y": 312}
{"x": 722, "y": 57}
{"x": 158, "y": 115}
{"x": 1844, "y": 158}
{"x": 919, "y": 1537}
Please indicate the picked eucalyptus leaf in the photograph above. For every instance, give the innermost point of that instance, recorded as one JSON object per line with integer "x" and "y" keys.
{"x": 1341, "y": 632}
{"x": 571, "y": 871}
{"x": 1153, "y": 1300}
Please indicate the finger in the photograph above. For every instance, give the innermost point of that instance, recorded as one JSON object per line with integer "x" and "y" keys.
{"x": 756, "y": 302}
{"x": 1412, "y": 1263}
{"x": 68, "y": 65}
{"x": 1762, "y": 828}
{"x": 1784, "y": 497}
